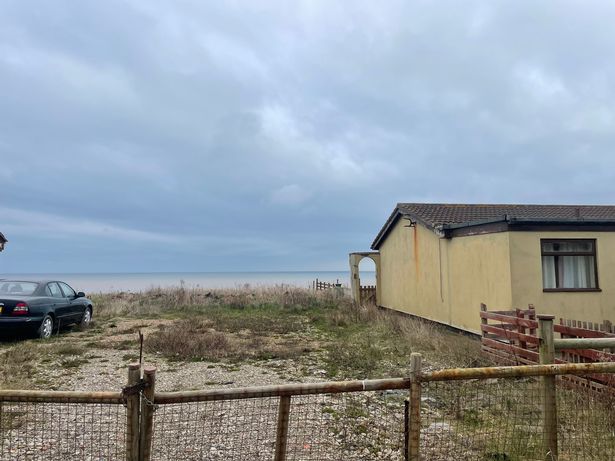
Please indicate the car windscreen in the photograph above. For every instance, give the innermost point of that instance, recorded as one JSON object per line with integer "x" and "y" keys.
{"x": 17, "y": 288}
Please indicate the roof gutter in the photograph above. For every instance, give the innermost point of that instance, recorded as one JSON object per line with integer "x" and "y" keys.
{"x": 561, "y": 221}
{"x": 448, "y": 229}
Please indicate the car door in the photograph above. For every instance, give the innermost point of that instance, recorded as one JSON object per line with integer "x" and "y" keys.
{"x": 59, "y": 302}
{"x": 76, "y": 306}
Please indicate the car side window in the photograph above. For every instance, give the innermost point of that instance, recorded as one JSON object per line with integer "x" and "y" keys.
{"x": 54, "y": 290}
{"x": 68, "y": 291}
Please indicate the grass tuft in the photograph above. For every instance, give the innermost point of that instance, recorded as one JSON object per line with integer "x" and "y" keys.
{"x": 195, "y": 340}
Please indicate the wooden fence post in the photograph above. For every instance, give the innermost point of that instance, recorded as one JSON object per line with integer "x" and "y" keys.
{"x": 549, "y": 402}
{"x": 281, "y": 438}
{"x": 532, "y": 316}
{"x": 414, "y": 419}
{"x": 608, "y": 328}
{"x": 132, "y": 414}
{"x": 147, "y": 413}
{"x": 521, "y": 329}
{"x": 483, "y": 321}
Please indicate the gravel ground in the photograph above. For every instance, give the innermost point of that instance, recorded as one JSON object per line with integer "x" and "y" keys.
{"x": 104, "y": 365}
{"x": 354, "y": 427}
{"x": 197, "y": 431}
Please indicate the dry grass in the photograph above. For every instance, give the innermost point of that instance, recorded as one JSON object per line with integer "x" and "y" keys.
{"x": 328, "y": 331}
{"x": 22, "y": 363}
{"x": 282, "y": 322}
{"x": 181, "y": 302}
{"x": 372, "y": 342}
{"x": 195, "y": 340}
{"x": 17, "y": 366}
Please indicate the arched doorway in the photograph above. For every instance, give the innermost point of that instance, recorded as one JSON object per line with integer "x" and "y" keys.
{"x": 362, "y": 293}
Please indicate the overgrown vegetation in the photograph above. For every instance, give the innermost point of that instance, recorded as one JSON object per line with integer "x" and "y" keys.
{"x": 21, "y": 359}
{"x": 287, "y": 323}
{"x": 17, "y": 366}
{"x": 195, "y": 340}
{"x": 501, "y": 420}
{"x": 313, "y": 331}
{"x": 187, "y": 302}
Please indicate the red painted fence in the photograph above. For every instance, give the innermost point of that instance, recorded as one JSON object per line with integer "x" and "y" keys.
{"x": 510, "y": 338}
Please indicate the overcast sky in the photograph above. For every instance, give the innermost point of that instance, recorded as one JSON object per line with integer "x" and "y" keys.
{"x": 249, "y": 135}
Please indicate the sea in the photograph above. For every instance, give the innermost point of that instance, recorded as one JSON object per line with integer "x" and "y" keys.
{"x": 136, "y": 282}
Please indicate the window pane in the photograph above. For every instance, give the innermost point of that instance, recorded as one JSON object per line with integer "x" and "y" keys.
{"x": 562, "y": 268}
{"x": 548, "y": 272}
{"x": 548, "y": 246}
{"x": 576, "y": 272}
{"x": 55, "y": 290}
{"x": 18, "y": 288}
{"x": 68, "y": 291}
{"x": 592, "y": 272}
{"x": 586, "y": 246}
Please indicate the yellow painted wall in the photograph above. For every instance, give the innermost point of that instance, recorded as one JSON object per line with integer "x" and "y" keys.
{"x": 526, "y": 268}
{"x": 479, "y": 272}
{"x": 444, "y": 279}
{"x": 410, "y": 274}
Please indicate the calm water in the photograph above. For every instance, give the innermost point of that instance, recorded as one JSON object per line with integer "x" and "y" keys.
{"x": 105, "y": 283}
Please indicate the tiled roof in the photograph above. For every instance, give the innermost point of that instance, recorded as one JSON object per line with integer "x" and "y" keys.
{"x": 436, "y": 214}
{"x": 439, "y": 216}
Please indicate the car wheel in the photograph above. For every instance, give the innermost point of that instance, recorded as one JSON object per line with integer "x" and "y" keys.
{"x": 87, "y": 317}
{"x": 46, "y": 329}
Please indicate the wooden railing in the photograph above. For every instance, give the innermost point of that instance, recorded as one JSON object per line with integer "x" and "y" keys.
{"x": 510, "y": 338}
{"x": 142, "y": 424}
{"x": 319, "y": 285}
{"x": 579, "y": 329}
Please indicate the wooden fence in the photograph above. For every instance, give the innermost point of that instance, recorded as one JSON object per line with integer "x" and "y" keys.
{"x": 319, "y": 285}
{"x": 368, "y": 294}
{"x": 510, "y": 337}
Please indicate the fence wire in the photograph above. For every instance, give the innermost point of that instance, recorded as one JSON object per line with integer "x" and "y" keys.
{"x": 586, "y": 428}
{"x": 351, "y": 426}
{"x": 477, "y": 419}
{"x": 62, "y": 431}
{"x": 218, "y": 430}
{"x": 501, "y": 420}
{"x": 357, "y": 426}
{"x": 488, "y": 419}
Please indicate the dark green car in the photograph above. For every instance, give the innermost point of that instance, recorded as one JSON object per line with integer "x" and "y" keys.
{"x": 41, "y": 307}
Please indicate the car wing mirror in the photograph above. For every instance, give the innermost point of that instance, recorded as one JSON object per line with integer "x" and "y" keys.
{"x": 81, "y": 294}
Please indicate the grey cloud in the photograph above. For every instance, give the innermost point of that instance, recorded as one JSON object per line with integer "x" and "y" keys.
{"x": 243, "y": 127}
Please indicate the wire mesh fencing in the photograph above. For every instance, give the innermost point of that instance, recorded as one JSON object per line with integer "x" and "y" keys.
{"x": 499, "y": 413}
{"x": 62, "y": 431}
{"x": 227, "y": 429}
{"x": 502, "y": 419}
{"x": 488, "y": 414}
{"x": 349, "y": 426}
{"x": 586, "y": 424}
{"x": 341, "y": 426}
{"x": 486, "y": 419}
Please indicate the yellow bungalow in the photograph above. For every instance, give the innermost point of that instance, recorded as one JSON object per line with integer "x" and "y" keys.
{"x": 440, "y": 261}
